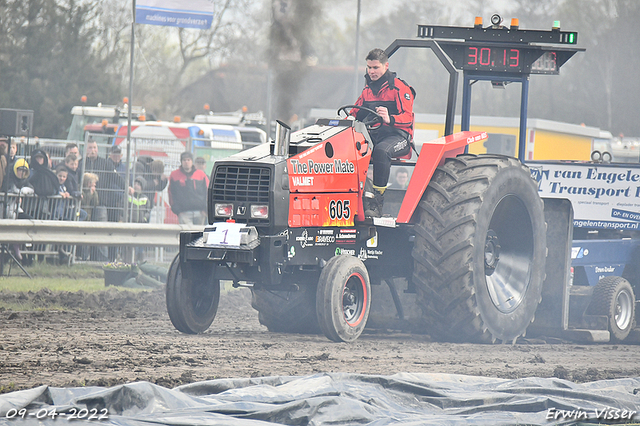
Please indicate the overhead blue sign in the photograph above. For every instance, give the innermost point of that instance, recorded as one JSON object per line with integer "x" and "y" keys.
{"x": 175, "y": 13}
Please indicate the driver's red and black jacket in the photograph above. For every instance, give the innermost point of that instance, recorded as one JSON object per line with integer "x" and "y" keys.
{"x": 394, "y": 94}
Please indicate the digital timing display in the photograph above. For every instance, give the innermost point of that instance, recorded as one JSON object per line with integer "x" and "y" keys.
{"x": 546, "y": 64}
{"x": 502, "y": 59}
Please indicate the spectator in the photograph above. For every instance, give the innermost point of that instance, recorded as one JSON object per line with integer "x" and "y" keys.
{"x": 115, "y": 161}
{"x": 17, "y": 182}
{"x": 110, "y": 185}
{"x": 95, "y": 212}
{"x": 66, "y": 209}
{"x": 71, "y": 161}
{"x": 140, "y": 205}
{"x": 72, "y": 148}
{"x": 201, "y": 164}
{"x": 157, "y": 181}
{"x": 140, "y": 210}
{"x": 61, "y": 174}
{"x": 64, "y": 178}
{"x": 142, "y": 167}
{"x": 188, "y": 192}
{"x": 17, "y": 178}
{"x": 71, "y": 165}
{"x": 4, "y": 143}
{"x": 63, "y": 207}
{"x": 153, "y": 173}
{"x": 3, "y": 159}
{"x": 13, "y": 150}
{"x": 93, "y": 162}
{"x": 401, "y": 179}
{"x": 43, "y": 179}
{"x": 89, "y": 194}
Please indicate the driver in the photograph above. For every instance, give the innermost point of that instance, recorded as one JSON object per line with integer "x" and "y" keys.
{"x": 392, "y": 99}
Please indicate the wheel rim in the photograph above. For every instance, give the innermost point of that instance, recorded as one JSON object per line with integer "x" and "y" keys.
{"x": 354, "y": 297}
{"x": 623, "y": 310}
{"x": 201, "y": 299}
{"x": 508, "y": 254}
{"x": 202, "y": 296}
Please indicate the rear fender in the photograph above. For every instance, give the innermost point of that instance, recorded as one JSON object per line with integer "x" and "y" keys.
{"x": 433, "y": 154}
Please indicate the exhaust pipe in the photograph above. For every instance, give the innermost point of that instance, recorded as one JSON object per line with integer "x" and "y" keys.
{"x": 283, "y": 139}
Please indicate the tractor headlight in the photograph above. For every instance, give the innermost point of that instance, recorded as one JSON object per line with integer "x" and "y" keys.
{"x": 260, "y": 211}
{"x": 224, "y": 210}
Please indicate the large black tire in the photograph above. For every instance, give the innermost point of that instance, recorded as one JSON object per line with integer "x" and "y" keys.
{"x": 614, "y": 298}
{"x": 480, "y": 250}
{"x": 287, "y": 311}
{"x": 343, "y": 298}
{"x": 192, "y": 303}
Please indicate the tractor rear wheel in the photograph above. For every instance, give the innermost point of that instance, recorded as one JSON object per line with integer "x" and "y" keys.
{"x": 343, "y": 298}
{"x": 480, "y": 250}
{"x": 613, "y": 297}
{"x": 287, "y": 311}
{"x": 192, "y": 303}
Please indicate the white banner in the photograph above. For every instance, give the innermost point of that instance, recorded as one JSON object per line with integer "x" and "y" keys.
{"x": 175, "y": 13}
{"x": 603, "y": 196}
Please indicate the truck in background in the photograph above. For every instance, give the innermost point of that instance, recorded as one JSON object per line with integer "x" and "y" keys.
{"x": 102, "y": 119}
{"x": 252, "y": 126}
{"x": 165, "y": 141}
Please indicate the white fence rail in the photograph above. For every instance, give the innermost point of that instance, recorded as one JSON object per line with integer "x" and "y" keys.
{"x": 92, "y": 233}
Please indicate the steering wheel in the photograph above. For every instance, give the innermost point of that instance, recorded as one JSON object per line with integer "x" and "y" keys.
{"x": 372, "y": 121}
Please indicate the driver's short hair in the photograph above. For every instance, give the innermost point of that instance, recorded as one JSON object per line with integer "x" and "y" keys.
{"x": 378, "y": 55}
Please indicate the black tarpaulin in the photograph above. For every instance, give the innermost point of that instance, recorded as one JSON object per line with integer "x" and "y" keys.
{"x": 336, "y": 399}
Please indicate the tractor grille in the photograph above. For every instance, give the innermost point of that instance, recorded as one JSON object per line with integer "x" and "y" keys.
{"x": 237, "y": 183}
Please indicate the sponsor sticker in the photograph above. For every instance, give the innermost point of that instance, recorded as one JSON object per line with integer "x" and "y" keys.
{"x": 305, "y": 240}
{"x": 302, "y": 180}
{"x": 311, "y": 167}
{"x": 373, "y": 241}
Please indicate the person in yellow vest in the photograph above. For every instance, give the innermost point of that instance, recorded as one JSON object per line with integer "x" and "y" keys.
{"x": 140, "y": 210}
{"x": 140, "y": 205}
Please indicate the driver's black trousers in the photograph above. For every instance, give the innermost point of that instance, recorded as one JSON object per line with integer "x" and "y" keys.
{"x": 392, "y": 146}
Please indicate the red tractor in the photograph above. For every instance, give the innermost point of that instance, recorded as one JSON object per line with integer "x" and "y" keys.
{"x": 287, "y": 220}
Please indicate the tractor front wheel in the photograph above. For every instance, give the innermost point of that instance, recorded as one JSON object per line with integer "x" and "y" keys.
{"x": 192, "y": 295}
{"x": 343, "y": 298}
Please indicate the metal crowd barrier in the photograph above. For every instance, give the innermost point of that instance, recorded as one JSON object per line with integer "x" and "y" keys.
{"x": 31, "y": 206}
{"x": 50, "y": 226}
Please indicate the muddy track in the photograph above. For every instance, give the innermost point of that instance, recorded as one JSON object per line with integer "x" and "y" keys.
{"x": 108, "y": 338}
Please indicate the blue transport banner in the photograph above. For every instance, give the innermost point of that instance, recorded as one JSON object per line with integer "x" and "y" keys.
{"x": 175, "y": 13}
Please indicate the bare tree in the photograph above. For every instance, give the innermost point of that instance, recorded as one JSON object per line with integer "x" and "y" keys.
{"x": 48, "y": 61}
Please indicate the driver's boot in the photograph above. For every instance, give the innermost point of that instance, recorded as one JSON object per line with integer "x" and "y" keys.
{"x": 373, "y": 201}
{"x": 369, "y": 200}
{"x": 379, "y": 197}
